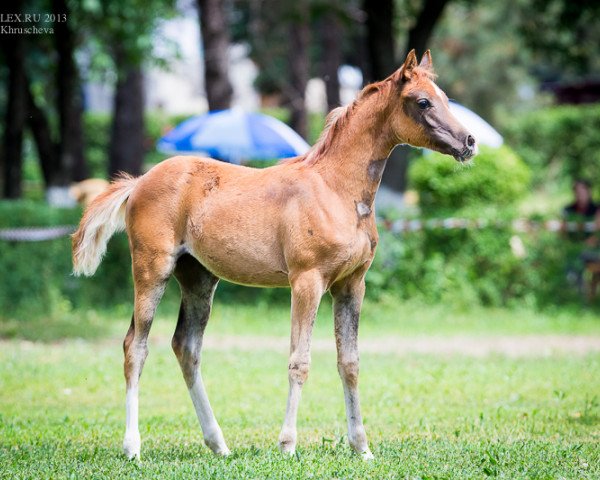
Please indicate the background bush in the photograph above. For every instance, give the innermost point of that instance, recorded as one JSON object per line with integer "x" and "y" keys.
{"x": 498, "y": 177}
{"x": 37, "y": 275}
{"x": 463, "y": 267}
{"x": 558, "y": 143}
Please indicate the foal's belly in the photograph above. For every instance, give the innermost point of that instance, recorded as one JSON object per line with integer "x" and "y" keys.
{"x": 242, "y": 259}
{"x": 243, "y": 272}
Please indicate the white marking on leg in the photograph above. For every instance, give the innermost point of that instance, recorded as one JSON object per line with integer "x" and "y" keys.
{"x": 288, "y": 435}
{"x": 132, "y": 441}
{"x": 213, "y": 436}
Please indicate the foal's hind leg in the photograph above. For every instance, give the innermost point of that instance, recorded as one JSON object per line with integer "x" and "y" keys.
{"x": 347, "y": 302}
{"x": 150, "y": 275}
{"x": 197, "y": 289}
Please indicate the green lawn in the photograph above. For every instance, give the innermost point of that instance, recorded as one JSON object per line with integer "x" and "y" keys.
{"x": 385, "y": 317}
{"x": 62, "y": 402}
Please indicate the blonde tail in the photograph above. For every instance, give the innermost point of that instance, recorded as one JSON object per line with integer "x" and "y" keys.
{"x": 102, "y": 218}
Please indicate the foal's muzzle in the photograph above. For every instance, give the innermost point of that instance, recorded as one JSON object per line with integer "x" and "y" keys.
{"x": 468, "y": 150}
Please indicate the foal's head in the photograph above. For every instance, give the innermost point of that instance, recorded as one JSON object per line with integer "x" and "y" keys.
{"x": 420, "y": 115}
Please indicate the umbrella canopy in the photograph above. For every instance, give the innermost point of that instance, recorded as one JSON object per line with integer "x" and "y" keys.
{"x": 483, "y": 132}
{"x": 234, "y": 135}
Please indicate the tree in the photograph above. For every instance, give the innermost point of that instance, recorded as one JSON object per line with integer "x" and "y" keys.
{"x": 126, "y": 40}
{"x": 331, "y": 33}
{"x": 70, "y": 108}
{"x": 14, "y": 123}
{"x": 562, "y": 35}
{"x": 126, "y": 151}
{"x": 381, "y": 47}
{"x": 299, "y": 36}
{"x": 47, "y": 149}
{"x": 380, "y": 38}
{"x": 420, "y": 33}
{"x": 215, "y": 40}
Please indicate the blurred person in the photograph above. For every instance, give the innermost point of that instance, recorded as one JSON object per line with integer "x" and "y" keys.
{"x": 583, "y": 209}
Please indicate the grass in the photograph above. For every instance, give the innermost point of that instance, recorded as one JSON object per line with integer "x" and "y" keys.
{"x": 387, "y": 317}
{"x": 427, "y": 416}
{"x": 61, "y": 412}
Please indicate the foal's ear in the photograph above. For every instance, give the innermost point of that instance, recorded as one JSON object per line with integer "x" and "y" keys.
{"x": 409, "y": 64}
{"x": 426, "y": 61}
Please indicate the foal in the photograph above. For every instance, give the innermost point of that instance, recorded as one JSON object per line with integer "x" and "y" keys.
{"x": 307, "y": 223}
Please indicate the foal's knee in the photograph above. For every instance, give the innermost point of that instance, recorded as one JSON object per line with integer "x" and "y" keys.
{"x": 298, "y": 371}
{"x": 348, "y": 370}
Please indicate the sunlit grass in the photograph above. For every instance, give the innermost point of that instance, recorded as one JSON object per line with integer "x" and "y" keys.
{"x": 62, "y": 415}
{"x": 385, "y": 317}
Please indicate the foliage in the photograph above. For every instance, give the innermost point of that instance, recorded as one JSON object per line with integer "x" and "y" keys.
{"x": 45, "y": 275}
{"x": 562, "y": 35}
{"x": 498, "y": 177}
{"x": 477, "y": 265}
{"x": 467, "y": 267}
{"x": 558, "y": 142}
{"x": 426, "y": 416}
{"x": 130, "y": 28}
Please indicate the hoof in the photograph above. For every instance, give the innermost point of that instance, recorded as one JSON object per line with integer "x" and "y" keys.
{"x": 287, "y": 450}
{"x": 366, "y": 455}
{"x": 217, "y": 446}
{"x": 131, "y": 446}
{"x": 287, "y": 443}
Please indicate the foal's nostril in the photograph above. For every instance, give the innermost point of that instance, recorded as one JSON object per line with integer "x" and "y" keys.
{"x": 470, "y": 140}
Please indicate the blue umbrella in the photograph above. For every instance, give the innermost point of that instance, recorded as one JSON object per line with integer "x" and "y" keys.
{"x": 234, "y": 135}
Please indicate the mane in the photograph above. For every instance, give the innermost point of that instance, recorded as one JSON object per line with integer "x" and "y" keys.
{"x": 339, "y": 117}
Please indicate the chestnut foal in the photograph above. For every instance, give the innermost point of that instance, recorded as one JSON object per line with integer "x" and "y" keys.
{"x": 307, "y": 223}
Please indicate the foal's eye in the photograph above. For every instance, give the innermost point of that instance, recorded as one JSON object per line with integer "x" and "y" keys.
{"x": 423, "y": 103}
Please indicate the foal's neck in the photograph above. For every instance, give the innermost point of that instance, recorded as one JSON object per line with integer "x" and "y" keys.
{"x": 354, "y": 163}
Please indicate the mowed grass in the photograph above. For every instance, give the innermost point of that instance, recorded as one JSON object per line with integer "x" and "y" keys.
{"x": 62, "y": 415}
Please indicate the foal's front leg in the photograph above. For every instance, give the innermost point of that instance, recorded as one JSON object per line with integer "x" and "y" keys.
{"x": 347, "y": 302}
{"x": 307, "y": 290}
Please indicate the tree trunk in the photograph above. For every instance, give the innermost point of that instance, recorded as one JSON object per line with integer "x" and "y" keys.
{"x": 395, "y": 175}
{"x": 215, "y": 38}
{"x": 420, "y": 33}
{"x": 127, "y": 133}
{"x": 72, "y": 164}
{"x": 331, "y": 34}
{"x": 299, "y": 66}
{"x": 14, "y": 123}
{"x": 40, "y": 130}
{"x": 380, "y": 38}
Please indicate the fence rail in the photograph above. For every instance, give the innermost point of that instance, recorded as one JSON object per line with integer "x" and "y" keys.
{"x": 518, "y": 225}
{"x": 38, "y": 234}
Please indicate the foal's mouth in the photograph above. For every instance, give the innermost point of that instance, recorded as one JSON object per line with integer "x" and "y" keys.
{"x": 464, "y": 155}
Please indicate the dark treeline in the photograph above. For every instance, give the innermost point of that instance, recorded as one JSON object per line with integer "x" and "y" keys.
{"x": 41, "y": 76}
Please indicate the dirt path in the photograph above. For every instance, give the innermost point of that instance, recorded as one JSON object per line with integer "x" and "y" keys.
{"x": 472, "y": 346}
{"x": 511, "y": 346}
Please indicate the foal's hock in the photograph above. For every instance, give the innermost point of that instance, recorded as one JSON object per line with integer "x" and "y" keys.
{"x": 307, "y": 223}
